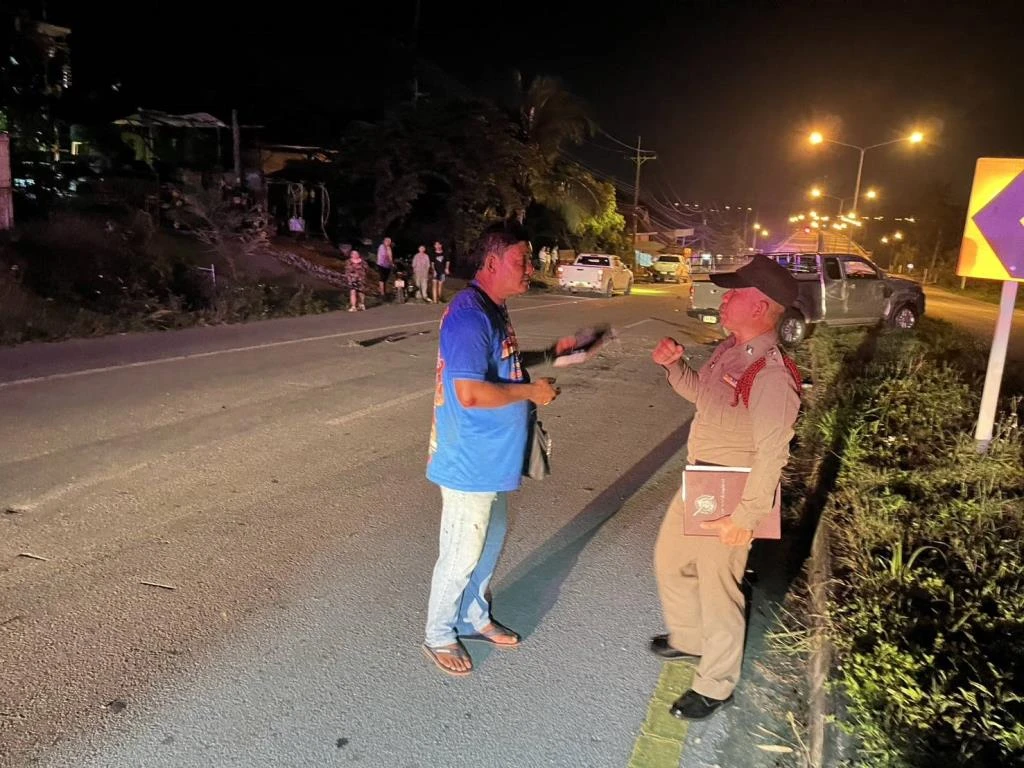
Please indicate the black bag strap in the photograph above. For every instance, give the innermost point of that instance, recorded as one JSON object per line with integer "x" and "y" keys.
{"x": 489, "y": 305}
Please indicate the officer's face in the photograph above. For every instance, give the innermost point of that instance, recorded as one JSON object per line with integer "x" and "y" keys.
{"x": 742, "y": 308}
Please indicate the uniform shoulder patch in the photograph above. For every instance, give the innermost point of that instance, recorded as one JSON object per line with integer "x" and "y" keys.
{"x": 746, "y": 381}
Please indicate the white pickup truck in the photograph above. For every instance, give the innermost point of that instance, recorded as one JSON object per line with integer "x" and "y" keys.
{"x": 600, "y": 272}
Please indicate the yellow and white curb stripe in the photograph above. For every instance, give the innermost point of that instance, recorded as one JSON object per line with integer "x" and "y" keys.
{"x": 660, "y": 742}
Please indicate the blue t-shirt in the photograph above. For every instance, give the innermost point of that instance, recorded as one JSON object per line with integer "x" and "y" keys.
{"x": 477, "y": 449}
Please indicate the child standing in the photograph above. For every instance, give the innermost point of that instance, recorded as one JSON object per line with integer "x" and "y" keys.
{"x": 355, "y": 277}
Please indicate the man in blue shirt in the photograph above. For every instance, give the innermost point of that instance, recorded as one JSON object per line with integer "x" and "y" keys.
{"x": 478, "y": 442}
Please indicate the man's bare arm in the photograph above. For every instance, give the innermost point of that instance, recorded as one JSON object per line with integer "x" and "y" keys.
{"x": 489, "y": 394}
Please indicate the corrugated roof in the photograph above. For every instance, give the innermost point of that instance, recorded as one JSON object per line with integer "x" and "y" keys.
{"x": 149, "y": 118}
{"x": 817, "y": 240}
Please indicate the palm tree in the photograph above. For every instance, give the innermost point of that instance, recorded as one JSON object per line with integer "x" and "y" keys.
{"x": 549, "y": 116}
{"x": 571, "y": 192}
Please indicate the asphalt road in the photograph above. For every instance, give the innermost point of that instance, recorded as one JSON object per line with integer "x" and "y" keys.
{"x": 976, "y": 317}
{"x": 215, "y": 548}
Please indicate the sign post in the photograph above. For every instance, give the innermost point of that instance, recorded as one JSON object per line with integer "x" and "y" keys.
{"x": 993, "y": 249}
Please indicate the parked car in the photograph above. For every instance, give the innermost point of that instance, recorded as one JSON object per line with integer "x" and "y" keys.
{"x": 670, "y": 267}
{"x": 600, "y": 272}
{"x": 834, "y": 289}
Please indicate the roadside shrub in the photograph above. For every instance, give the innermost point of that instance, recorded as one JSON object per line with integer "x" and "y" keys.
{"x": 87, "y": 262}
{"x": 927, "y": 535}
{"x": 77, "y": 275}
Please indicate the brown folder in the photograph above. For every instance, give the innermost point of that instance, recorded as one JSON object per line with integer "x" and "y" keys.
{"x": 710, "y": 493}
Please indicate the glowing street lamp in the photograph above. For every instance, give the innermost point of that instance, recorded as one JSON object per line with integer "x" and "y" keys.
{"x": 817, "y": 138}
{"x": 817, "y": 193}
{"x": 758, "y": 230}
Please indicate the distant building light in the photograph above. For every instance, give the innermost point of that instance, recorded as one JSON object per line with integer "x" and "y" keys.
{"x": 76, "y": 147}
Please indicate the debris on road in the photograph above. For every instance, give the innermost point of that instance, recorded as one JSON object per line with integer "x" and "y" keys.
{"x": 157, "y": 584}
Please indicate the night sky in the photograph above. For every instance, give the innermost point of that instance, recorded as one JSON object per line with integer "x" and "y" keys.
{"x": 725, "y": 92}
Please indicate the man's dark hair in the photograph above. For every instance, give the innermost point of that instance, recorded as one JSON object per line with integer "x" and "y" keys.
{"x": 495, "y": 239}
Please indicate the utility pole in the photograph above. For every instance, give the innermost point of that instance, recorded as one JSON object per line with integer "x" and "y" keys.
{"x": 935, "y": 258}
{"x": 639, "y": 160}
{"x": 415, "y": 56}
{"x": 6, "y": 190}
{"x": 236, "y": 139}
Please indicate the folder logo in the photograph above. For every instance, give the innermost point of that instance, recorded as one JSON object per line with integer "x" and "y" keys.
{"x": 705, "y": 506}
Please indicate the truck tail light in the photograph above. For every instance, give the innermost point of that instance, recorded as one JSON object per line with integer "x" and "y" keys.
{"x": 600, "y": 274}
{"x": 561, "y": 269}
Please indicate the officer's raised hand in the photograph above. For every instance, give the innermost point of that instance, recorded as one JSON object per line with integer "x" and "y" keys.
{"x": 668, "y": 352}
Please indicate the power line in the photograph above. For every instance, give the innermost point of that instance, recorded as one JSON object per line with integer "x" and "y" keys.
{"x": 670, "y": 215}
{"x": 594, "y": 145}
{"x": 604, "y": 175}
{"x": 637, "y": 149}
{"x": 663, "y": 211}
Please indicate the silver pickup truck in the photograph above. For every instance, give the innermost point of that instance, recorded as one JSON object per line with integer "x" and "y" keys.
{"x": 835, "y": 289}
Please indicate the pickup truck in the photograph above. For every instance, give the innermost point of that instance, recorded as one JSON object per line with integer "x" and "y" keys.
{"x": 600, "y": 272}
{"x": 834, "y": 289}
{"x": 670, "y": 267}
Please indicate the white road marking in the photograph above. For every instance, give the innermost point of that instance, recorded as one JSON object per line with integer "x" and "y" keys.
{"x": 371, "y": 409}
{"x": 248, "y": 348}
{"x": 121, "y": 472}
{"x": 63, "y": 490}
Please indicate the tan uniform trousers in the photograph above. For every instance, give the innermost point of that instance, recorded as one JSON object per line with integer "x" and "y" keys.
{"x": 699, "y": 581}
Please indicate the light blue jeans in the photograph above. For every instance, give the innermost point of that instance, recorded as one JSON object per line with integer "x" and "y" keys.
{"x": 473, "y": 529}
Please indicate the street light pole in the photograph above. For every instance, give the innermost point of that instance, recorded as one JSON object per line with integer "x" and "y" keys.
{"x": 856, "y": 189}
{"x": 757, "y": 230}
{"x": 816, "y": 138}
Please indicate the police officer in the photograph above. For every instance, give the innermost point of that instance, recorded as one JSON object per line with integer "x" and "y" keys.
{"x": 747, "y": 397}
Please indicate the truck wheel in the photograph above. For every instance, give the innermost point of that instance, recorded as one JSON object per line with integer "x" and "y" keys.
{"x": 904, "y": 318}
{"x": 629, "y": 288}
{"x": 792, "y": 328}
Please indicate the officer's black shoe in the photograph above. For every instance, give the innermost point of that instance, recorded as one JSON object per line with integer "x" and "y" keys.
{"x": 692, "y": 706}
{"x": 660, "y": 647}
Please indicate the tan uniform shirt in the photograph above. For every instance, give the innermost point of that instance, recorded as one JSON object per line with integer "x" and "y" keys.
{"x": 756, "y": 436}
